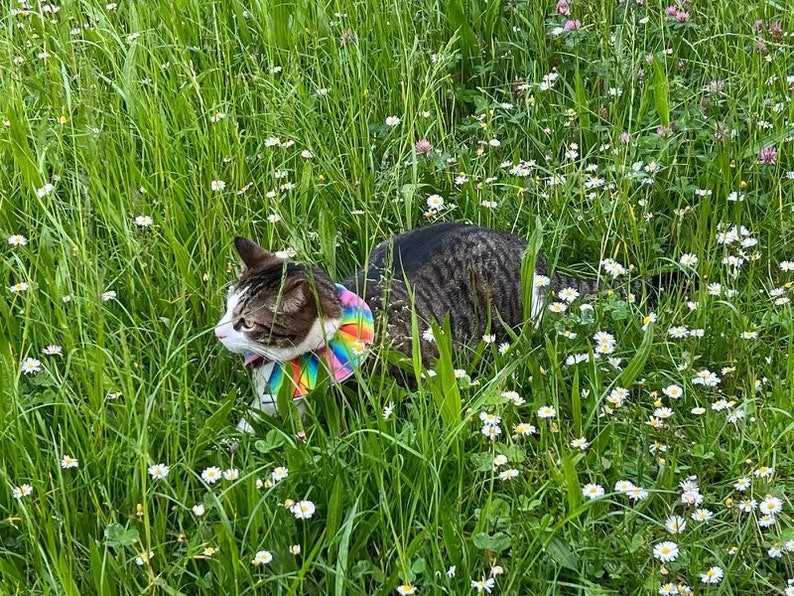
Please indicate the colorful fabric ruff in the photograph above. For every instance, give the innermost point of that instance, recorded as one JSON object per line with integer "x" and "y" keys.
{"x": 339, "y": 357}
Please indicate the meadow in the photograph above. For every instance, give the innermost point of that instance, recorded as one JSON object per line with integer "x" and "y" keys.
{"x": 633, "y": 443}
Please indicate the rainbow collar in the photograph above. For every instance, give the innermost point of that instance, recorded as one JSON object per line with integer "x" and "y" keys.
{"x": 339, "y": 356}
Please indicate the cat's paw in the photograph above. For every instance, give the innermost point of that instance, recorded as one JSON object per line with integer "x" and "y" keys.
{"x": 245, "y": 427}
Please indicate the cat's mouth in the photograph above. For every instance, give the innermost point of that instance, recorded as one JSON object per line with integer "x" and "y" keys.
{"x": 254, "y": 360}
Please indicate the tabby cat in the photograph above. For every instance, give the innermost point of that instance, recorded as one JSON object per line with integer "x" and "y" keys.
{"x": 281, "y": 314}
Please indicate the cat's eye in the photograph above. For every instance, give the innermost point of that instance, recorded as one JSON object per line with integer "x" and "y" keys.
{"x": 246, "y": 325}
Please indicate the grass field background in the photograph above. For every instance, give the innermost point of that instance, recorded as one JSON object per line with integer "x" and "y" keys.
{"x": 139, "y": 138}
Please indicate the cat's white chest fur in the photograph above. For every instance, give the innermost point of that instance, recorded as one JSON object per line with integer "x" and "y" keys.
{"x": 264, "y": 400}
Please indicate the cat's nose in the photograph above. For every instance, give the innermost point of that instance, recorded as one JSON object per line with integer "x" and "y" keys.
{"x": 219, "y": 333}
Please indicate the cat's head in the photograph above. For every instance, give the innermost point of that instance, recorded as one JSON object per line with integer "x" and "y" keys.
{"x": 278, "y": 309}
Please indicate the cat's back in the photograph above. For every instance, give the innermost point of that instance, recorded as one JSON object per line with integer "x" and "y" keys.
{"x": 470, "y": 274}
{"x": 448, "y": 246}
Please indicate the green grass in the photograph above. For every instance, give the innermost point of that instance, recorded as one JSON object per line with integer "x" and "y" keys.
{"x": 122, "y": 118}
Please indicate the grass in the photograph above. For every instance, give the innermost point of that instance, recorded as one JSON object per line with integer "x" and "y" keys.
{"x": 139, "y": 109}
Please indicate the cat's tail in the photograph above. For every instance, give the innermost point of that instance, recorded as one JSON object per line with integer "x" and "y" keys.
{"x": 654, "y": 285}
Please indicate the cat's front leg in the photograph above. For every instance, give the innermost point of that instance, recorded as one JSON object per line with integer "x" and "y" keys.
{"x": 262, "y": 403}
{"x": 264, "y": 400}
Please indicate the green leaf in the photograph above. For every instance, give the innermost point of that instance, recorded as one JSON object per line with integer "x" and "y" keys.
{"x": 636, "y": 364}
{"x": 117, "y": 535}
{"x": 496, "y": 542}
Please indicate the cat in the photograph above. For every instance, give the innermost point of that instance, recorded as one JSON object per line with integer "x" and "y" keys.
{"x": 283, "y": 312}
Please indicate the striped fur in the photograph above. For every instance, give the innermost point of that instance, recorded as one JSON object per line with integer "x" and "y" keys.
{"x": 468, "y": 273}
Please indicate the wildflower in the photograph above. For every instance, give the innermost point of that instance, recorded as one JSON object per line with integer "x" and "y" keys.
{"x": 423, "y": 147}
{"x": 747, "y": 505}
{"x": 388, "y": 410}
{"x": 707, "y": 378}
{"x": 143, "y": 221}
{"x": 18, "y": 287}
{"x": 406, "y": 589}
{"x": 67, "y": 461}
{"x": 198, "y": 510}
{"x": 702, "y": 515}
{"x": 648, "y": 319}
{"x": 508, "y": 474}
{"x": 688, "y": 259}
{"x": 712, "y": 576}
{"x": 295, "y": 549}
{"x": 768, "y": 156}
{"x": 612, "y": 267}
{"x": 108, "y": 296}
{"x": 547, "y": 412}
{"x": 30, "y": 366}
{"x": 592, "y": 491}
{"x": 52, "y": 350}
{"x": 568, "y": 294}
{"x": 483, "y": 584}
{"x": 491, "y": 431}
{"x": 262, "y": 557}
{"x": 17, "y": 240}
{"x": 770, "y": 505}
{"x": 580, "y": 443}
{"x": 488, "y": 339}
{"x": 489, "y": 419}
{"x": 503, "y": 348}
{"x": 218, "y": 116}
{"x": 392, "y": 121}
{"x": 158, "y": 471}
{"x": 558, "y": 307}
{"x": 766, "y": 521}
{"x": 427, "y": 335}
{"x": 303, "y": 509}
{"x": 637, "y": 494}
{"x": 217, "y": 185}
{"x": 500, "y": 460}
{"x": 666, "y": 551}
{"x": 675, "y": 524}
{"x": 306, "y": 154}
{"x": 522, "y": 429}
{"x": 764, "y": 472}
{"x": 273, "y": 218}
{"x": 44, "y": 190}
{"x": 673, "y": 391}
{"x": 435, "y": 202}
{"x": 211, "y": 475}
{"x": 144, "y": 558}
{"x": 22, "y": 491}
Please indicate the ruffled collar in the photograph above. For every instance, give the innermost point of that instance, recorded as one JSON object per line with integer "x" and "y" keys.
{"x": 339, "y": 357}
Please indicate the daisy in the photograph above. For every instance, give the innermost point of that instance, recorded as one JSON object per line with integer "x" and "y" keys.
{"x": 20, "y": 240}
{"x": 67, "y": 461}
{"x": 770, "y": 505}
{"x": 558, "y": 307}
{"x": 673, "y": 391}
{"x": 109, "y": 295}
{"x": 406, "y": 589}
{"x": 392, "y": 121}
{"x": 158, "y": 471}
{"x": 295, "y": 549}
{"x": 547, "y": 412}
{"x": 303, "y": 509}
{"x": 568, "y": 294}
{"x": 675, "y": 524}
{"x": 688, "y": 259}
{"x": 217, "y": 185}
{"x": 592, "y": 491}
{"x": 523, "y": 429}
{"x": 580, "y": 443}
{"x": 198, "y": 510}
{"x": 18, "y": 287}
{"x": 262, "y": 557}
{"x": 612, "y": 267}
{"x": 666, "y": 551}
{"x": 30, "y": 366}
{"x": 52, "y": 350}
{"x": 637, "y": 494}
{"x": 483, "y": 584}
{"x": 491, "y": 431}
{"x": 231, "y": 474}
{"x": 211, "y": 475}
{"x": 702, "y": 515}
{"x": 742, "y": 484}
{"x": 712, "y": 576}
{"x": 22, "y": 491}
{"x": 489, "y": 419}
{"x": 144, "y": 558}
{"x": 143, "y": 221}
{"x": 435, "y": 202}
{"x": 508, "y": 474}
{"x": 764, "y": 472}
{"x": 623, "y": 486}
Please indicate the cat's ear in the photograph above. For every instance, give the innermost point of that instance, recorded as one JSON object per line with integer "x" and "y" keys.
{"x": 293, "y": 296}
{"x": 254, "y": 255}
